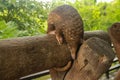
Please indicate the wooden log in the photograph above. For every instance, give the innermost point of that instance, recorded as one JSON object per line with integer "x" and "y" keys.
{"x": 94, "y": 58}
{"x": 97, "y": 33}
{"x": 114, "y": 33}
{"x": 27, "y": 55}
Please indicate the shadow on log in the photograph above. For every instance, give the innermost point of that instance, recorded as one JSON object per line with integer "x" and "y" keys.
{"x": 27, "y": 55}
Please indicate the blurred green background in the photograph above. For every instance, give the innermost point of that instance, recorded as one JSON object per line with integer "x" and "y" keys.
{"x": 28, "y": 17}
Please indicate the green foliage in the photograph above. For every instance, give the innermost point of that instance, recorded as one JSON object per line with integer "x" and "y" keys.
{"x": 29, "y": 17}
{"x": 7, "y": 30}
{"x": 98, "y": 16}
{"x": 47, "y": 77}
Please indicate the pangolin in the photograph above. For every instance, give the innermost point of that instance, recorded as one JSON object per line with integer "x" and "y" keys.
{"x": 66, "y": 23}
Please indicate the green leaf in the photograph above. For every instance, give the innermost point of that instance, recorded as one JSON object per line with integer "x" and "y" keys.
{"x": 2, "y": 25}
{"x": 13, "y": 1}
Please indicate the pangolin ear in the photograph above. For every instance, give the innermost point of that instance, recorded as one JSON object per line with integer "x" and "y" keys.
{"x": 50, "y": 28}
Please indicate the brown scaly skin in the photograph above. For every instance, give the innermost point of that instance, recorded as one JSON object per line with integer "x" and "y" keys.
{"x": 66, "y": 23}
{"x": 114, "y": 32}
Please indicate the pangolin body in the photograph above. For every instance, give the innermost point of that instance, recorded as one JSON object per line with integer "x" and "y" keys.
{"x": 67, "y": 24}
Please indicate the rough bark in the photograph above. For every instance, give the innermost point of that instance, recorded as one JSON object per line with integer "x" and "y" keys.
{"x": 27, "y": 55}
{"x": 94, "y": 58}
{"x": 114, "y": 33}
